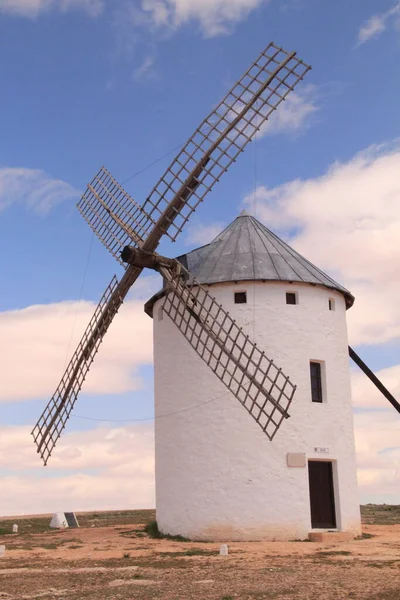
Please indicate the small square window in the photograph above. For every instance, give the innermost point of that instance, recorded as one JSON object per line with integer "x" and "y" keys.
{"x": 316, "y": 381}
{"x": 291, "y": 298}
{"x": 240, "y": 297}
{"x": 331, "y": 304}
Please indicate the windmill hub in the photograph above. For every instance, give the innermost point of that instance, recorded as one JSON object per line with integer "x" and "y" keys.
{"x": 147, "y": 260}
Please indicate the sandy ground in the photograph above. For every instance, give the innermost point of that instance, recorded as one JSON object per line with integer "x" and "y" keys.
{"x": 121, "y": 562}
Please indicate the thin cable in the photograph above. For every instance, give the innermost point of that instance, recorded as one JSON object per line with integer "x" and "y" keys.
{"x": 152, "y": 164}
{"x": 79, "y": 298}
{"x": 152, "y": 418}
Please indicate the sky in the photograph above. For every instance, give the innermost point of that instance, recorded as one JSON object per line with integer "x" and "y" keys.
{"x": 123, "y": 83}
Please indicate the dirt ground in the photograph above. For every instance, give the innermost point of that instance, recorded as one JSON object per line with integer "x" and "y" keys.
{"x": 111, "y": 558}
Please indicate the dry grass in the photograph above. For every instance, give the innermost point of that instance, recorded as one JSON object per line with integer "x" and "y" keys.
{"x": 380, "y": 514}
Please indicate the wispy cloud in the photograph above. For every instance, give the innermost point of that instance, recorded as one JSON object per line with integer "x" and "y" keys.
{"x": 33, "y": 8}
{"x": 295, "y": 114}
{"x": 145, "y": 70}
{"x": 163, "y": 17}
{"x": 32, "y": 188}
{"x": 375, "y": 25}
{"x": 215, "y": 17}
{"x": 347, "y": 221}
{"x": 200, "y": 234}
{"x": 292, "y": 116}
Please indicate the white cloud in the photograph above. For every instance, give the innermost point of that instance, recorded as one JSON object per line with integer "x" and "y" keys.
{"x": 200, "y": 235}
{"x": 375, "y": 25}
{"x": 347, "y": 222}
{"x": 33, "y": 188}
{"x": 38, "y": 337}
{"x": 378, "y": 456}
{"x": 33, "y": 8}
{"x": 215, "y": 17}
{"x": 294, "y": 114}
{"x": 123, "y": 458}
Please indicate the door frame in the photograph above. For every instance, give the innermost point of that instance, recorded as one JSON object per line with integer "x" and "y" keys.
{"x": 336, "y": 497}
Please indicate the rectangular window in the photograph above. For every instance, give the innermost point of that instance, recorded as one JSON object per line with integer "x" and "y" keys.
{"x": 331, "y": 304}
{"x": 291, "y": 298}
{"x": 316, "y": 381}
{"x": 240, "y": 297}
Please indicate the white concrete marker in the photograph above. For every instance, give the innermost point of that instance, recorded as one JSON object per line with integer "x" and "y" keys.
{"x": 59, "y": 521}
{"x": 223, "y": 550}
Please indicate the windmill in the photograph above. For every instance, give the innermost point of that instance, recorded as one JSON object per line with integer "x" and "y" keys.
{"x": 132, "y": 234}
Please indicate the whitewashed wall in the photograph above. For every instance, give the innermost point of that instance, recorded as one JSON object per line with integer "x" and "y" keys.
{"x": 217, "y": 474}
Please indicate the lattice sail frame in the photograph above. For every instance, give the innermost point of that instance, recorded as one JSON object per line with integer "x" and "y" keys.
{"x": 253, "y": 378}
{"x": 117, "y": 219}
{"x": 113, "y": 215}
{"x": 54, "y": 417}
{"x": 224, "y": 134}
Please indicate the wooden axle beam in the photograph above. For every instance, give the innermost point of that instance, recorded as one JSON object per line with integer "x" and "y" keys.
{"x": 146, "y": 260}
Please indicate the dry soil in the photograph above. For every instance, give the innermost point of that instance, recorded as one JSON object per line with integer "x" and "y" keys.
{"x": 110, "y": 557}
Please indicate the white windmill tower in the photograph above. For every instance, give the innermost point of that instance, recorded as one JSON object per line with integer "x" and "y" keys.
{"x": 217, "y": 477}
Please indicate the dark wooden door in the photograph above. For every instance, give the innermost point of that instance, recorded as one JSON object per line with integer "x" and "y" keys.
{"x": 322, "y": 497}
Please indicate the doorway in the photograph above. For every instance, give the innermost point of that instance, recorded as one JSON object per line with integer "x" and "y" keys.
{"x": 322, "y": 498}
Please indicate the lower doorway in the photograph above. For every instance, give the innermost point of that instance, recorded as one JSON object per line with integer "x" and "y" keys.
{"x": 322, "y": 497}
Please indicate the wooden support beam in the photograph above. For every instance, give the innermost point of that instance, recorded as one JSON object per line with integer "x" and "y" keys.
{"x": 360, "y": 363}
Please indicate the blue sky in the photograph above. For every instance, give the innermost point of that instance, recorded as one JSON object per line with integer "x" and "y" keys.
{"x": 124, "y": 82}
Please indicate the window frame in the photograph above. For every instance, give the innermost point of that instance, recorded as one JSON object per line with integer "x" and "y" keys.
{"x": 317, "y": 382}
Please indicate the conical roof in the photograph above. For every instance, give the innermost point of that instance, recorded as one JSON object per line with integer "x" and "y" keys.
{"x": 248, "y": 251}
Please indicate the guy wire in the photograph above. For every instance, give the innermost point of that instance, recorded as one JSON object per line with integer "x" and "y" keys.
{"x": 155, "y": 417}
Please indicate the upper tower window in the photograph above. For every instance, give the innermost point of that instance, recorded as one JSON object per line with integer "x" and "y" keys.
{"x": 291, "y": 298}
{"x": 331, "y": 304}
{"x": 316, "y": 381}
{"x": 240, "y": 297}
